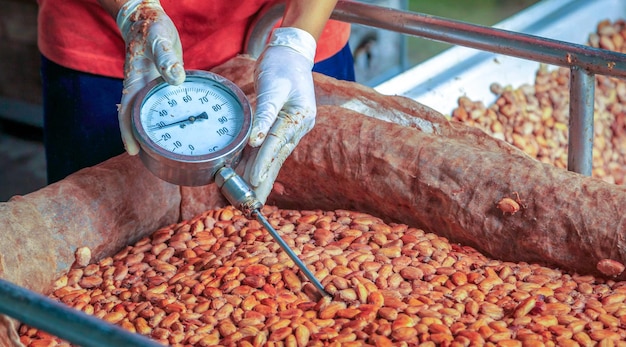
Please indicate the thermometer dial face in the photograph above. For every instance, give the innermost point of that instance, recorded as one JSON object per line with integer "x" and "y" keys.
{"x": 205, "y": 121}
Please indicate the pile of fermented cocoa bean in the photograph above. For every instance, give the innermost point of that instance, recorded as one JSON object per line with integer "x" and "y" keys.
{"x": 535, "y": 118}
{"x": 221, "y": 279}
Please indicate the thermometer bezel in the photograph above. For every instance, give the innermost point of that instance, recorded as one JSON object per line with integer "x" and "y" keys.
{"x": 190, "y": 170}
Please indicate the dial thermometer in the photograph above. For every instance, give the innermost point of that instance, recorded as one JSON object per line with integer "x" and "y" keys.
{"x": 193, "y": 133}
{"x": 187, "y": 132}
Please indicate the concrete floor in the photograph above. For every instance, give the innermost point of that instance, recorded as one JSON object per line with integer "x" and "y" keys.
{"x": 22, "y": 160}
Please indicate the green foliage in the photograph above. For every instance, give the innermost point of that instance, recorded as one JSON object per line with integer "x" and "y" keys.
{"x": 483, "y": 12}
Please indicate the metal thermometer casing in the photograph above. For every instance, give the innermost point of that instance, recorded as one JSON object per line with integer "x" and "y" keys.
{"x": 162, "y": 110}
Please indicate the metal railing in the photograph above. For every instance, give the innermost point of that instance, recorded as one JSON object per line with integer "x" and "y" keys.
{"x": 583, "y": 61}
{"x": 65, "y": 322}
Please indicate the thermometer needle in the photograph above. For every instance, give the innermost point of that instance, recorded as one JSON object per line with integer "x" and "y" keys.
{"x": 240, "y": 195}
{"x": 289, "y": 251}
{"x": 183, "y": 123}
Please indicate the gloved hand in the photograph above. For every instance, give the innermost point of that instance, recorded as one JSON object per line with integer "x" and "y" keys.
{"x": 284, "y": 81}
{"x": 152, "y": 48}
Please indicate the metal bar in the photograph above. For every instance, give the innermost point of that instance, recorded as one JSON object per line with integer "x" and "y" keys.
{"x": 63, "y": 321}
{"x": 237, "y": 191}
{"x": 301, "y": 265}
{"x": 580, "y": 140}
{"x": 484, "y": 38}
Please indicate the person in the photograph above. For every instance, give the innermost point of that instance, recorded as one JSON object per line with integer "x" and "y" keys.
{"x": 95, "y": 52}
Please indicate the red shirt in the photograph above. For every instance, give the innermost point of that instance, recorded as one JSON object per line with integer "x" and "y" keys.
{"x": 80, "y": 35}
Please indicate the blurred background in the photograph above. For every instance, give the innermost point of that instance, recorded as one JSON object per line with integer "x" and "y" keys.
{"x": 379, "y": 55}
{"x": 485, "y": 12}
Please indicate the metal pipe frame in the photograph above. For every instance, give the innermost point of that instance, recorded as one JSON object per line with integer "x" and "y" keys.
{"x": 65, "y": 322}
{"x": 549, "y": 51}
{"x": 580, "y": 127}
{"x": 583, "y": 61}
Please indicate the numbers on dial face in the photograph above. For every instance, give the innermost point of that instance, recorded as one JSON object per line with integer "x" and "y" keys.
{"x": 196, "y": 118}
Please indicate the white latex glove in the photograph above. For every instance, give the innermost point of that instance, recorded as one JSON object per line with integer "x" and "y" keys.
{"x": 284, "y": 82}
{"x": 153, "y": 49}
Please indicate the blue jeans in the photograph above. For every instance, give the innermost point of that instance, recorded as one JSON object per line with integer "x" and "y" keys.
{"x": 80, "y": 114}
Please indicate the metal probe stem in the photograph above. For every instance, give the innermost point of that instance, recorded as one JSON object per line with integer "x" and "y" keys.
{"x": 241, "y": 196}
{"x": 259, "y": 216}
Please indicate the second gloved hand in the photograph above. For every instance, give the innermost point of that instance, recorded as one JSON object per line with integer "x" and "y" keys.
{"x": 153, "y": 49}
{"x": 285, "y": 109}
